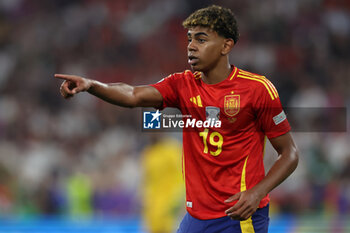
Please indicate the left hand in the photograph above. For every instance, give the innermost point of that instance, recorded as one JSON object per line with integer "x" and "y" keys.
{"x": 248, "y": 202}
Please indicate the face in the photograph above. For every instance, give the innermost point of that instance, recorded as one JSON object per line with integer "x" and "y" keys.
{"x": 205, "y": 48}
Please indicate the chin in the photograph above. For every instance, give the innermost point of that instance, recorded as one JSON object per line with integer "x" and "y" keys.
{"x": 196, "y": 68}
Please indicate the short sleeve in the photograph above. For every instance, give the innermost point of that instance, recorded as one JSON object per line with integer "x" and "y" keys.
{"x": 168, "y": 89}
{"x": 271, "y": 118}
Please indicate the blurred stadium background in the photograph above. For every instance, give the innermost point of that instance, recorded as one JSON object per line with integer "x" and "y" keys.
{"x": 76, "y": 166}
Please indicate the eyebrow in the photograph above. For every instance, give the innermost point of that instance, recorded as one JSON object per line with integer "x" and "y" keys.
{"x": 198, "y": 34}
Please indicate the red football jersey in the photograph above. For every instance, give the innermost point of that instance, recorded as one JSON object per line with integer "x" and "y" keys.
{"x": 219, "y": 162}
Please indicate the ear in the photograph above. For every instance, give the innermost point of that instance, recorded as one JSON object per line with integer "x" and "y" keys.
{"x": 227, "y": 46}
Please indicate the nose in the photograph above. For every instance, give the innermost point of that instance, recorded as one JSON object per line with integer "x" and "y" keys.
{"x": 191, "y": 46}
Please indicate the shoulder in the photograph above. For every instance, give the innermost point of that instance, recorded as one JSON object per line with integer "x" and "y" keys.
{"x": 181, "y": 76}
{"x": 186, "y": 77}
{"x": 259, "y": 83}
{"x": 187, "y": 74}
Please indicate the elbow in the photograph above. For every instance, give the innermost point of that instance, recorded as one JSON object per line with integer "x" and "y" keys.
{"x": 294, "y": 158}
{"x": 134, "y": 102}
{"x": 291, "y": 157}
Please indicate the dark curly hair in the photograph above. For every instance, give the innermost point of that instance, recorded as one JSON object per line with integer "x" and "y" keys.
{"x": 219, "y": 19}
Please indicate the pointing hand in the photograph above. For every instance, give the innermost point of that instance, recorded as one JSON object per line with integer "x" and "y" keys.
{"x": 72, "y": 84}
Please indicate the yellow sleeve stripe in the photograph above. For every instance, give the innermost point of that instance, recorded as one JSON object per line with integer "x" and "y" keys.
{"x": 234, "y": 73}
{"x": 275, "y": 93}
{"x": 272, "y": 87}
{"x": 259, "y": 76}
{"x": 261, "y": 81}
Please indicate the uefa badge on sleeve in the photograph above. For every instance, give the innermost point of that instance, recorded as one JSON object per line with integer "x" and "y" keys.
{"x": 151, "y": 120}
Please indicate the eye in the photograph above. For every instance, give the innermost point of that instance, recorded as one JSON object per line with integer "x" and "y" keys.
{"x": 200, "y": 40}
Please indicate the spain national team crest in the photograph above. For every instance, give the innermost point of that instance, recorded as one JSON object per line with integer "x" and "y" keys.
{"x": 232, "y": 105}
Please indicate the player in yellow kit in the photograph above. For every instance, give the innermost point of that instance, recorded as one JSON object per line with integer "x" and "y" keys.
{"x": 162, "y": 185}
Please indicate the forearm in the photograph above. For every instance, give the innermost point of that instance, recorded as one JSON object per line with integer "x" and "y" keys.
{"x": 281, "y": 169}
{"x": 124, "y": 95}
{"x": 115, "y": 93}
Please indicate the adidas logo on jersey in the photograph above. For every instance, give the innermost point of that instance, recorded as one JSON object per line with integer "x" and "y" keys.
{"x": 197, "y": 100}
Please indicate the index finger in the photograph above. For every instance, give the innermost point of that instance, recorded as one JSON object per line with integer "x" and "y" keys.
{"x": 235, "y": 207}
{"x": 65, "y": 76}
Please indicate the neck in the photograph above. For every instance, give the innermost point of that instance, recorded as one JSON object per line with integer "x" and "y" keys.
{"x": 218, "y": 74}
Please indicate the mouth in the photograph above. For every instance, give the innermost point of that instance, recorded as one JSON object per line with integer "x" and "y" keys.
{"x": 192, "y": 60}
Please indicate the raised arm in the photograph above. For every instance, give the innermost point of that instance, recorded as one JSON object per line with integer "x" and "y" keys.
{"x": 120, "y": 94}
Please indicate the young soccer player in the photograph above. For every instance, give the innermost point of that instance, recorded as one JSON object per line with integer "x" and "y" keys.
{"x": 226, "y": 186}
